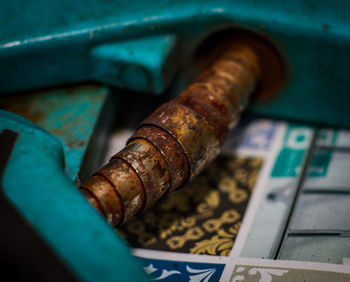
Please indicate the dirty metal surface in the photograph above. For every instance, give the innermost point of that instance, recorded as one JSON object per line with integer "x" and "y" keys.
{"x": 190, "y": 129}
{"x": 171, "y": 151}
{"x": 36, "y": 185}
{"x": 69, "y": 113}
{"x": 187, "y": 130}
{"x": 131, "y": 193}
{"x": 110, "y": 204}
{"x": 151, "y": 167}
{"x": 72, "y": 42}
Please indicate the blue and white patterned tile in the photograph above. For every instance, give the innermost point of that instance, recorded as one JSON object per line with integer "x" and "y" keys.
{"x": 252, "y": 134}
{"x": 165, "y": 270}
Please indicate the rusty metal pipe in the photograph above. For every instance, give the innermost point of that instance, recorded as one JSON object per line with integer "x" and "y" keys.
{"x": 178, "y": 140}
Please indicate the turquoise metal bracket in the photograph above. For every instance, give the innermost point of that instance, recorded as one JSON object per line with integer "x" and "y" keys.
{"x": 58, "y": 211}
{"x": 45, "y": 44}
{"x": 73, "y": 114}
{"x": 140, "y": 46}
{"x": 145, "y": 64}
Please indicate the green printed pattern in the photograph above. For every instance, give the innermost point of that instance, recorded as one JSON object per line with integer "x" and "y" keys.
{"x": 295, "y": 144}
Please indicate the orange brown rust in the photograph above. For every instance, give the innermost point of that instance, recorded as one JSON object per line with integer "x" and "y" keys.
{"x": 171, "y": 151}
{"x": 151, "y": 167}
{"x": 131, "y": 193}
{"x": 272, "y": 75}
{"x": 208, "y": 112}
{"x": 108, "y": 199}
{"x": 178, "y": 140}
{"x": 211, "y": 95}
{"x": 93, "y": 200}
{"x": 191, "y": 130}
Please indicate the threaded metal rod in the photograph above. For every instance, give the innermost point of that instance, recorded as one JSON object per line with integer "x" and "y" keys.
{"x": 178, "y": 140}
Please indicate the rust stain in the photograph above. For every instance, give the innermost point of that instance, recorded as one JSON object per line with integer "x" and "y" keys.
{"x": 273, "y": 70}
{"x": 171, "y": 151}
{"x": 191, "y": 131}
{"x": 38, "y": 107}
{"x": 178, "y": 140}
{"x": 22, "y": 105}
{"x": 150, "y": 166}
{"x": 105, "y": 198}
{"x": 131, "y": 193}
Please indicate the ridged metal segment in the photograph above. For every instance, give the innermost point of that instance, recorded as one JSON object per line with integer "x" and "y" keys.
{"x": 178, "y": 140}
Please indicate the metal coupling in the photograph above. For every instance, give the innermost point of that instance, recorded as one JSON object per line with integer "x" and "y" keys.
{"x": 178, "y": 140}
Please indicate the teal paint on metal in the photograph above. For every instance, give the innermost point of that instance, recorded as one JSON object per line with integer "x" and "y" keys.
{"x": 79, "y": 234}
{"x": 139, "y": 64}
{"x": 317, "y": 89}
{"x": 70, "y": 113}
{"x": 45, "y": 44}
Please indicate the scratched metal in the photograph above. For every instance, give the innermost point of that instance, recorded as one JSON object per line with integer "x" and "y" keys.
{"x": 110, "y": 202}
{"x": 170, "y": 149}
{"x": 150, "y": 166}
{"x": 131, "y": 192}
{"x": 70, "y": 113}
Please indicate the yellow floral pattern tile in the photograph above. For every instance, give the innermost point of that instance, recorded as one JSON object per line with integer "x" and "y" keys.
{"x": 203, "y": 217}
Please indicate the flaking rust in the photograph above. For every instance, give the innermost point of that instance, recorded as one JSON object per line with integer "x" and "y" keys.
{"x": 177, "y": 141}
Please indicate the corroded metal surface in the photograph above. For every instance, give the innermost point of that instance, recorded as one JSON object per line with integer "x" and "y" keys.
{"x": 150, "y": 166}
{"x": 191, "y": 130}
{"x": 171, "y": 150}
{"x": 108, "y": 200}
{"x": 70, "y": 113}
{"x": 131, "y": 193}
{"x": 178, "y": 140}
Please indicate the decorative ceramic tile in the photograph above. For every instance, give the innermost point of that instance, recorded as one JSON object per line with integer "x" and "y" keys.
{"x": 202, "y": 218}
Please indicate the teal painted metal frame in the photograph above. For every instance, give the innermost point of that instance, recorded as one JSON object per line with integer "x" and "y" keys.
{"x": 51, "y": 203}
{"x": 52, "y": 43}
{"x": 141, "y": 46}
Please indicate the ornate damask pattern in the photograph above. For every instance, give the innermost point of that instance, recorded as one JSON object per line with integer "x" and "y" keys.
{"x": 203, "y": 217}
{"x": 251, "y": 273}
{"x": 263, "y": 274}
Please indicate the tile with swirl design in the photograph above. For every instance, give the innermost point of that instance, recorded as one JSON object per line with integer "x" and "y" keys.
{"x": 203, "y": 217}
